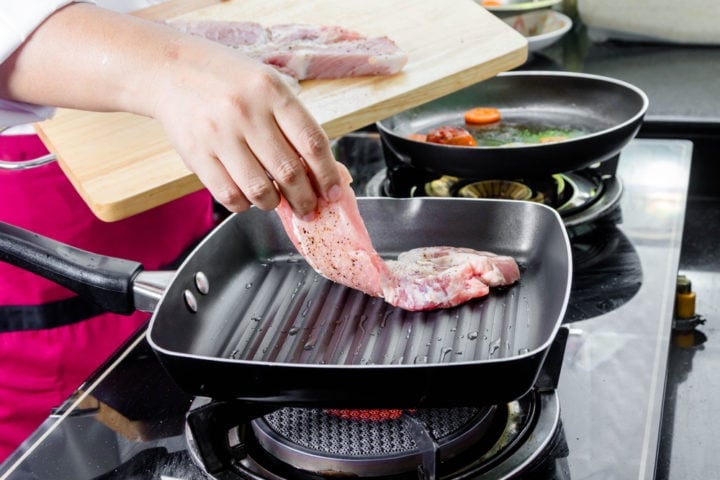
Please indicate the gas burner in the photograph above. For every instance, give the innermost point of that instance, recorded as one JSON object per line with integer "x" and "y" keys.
{"x": 579, "y": 197}
{"x": 499, "y": 189}
{"x": 498, "y": 442}
{"x": 522, "y": 439}
{"x": 317, "y": 440}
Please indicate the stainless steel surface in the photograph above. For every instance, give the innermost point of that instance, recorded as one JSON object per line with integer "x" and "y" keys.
{"x": 149, "y": 287}
{"x": 613, "y": 375}
{"x": 536, "y": 445}
{"x": 27, "y": 164}
{"x": 609, "y": 201}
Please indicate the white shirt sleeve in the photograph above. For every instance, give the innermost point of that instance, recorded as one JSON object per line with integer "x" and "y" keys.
{"x": 18, "y": 19}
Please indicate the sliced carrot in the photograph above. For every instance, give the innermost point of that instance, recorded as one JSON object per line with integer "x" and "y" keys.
{"x": 491, "y": 3}
{"x": 482, "y": 115}
{"x": 418, "y": 137}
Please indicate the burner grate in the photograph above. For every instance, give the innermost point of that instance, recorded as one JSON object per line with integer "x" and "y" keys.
{"x": 292, "y": 443}
{"x": 313, "y": 440}
{"x": 322, "y": 433}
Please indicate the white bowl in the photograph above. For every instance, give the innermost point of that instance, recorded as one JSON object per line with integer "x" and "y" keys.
{"x": 542, "y": 28}
{"x": 511, "y": 7}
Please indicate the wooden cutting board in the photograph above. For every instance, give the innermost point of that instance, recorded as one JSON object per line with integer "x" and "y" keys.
{"x": 122, "y": 164}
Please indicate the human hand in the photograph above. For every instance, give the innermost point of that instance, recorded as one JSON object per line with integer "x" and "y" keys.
{"x": 241, "y": 129}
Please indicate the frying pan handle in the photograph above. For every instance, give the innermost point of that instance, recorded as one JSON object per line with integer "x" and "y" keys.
{"x": 404, "y": 158}
{"x": 107, "y": 281}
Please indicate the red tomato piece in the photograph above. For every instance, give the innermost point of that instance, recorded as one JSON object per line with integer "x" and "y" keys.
{"x": 448, "y": 135}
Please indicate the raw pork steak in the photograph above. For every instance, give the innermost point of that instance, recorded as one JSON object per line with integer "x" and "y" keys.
{"x": 336, "y": 242}
{"x": 304, "y": 51}
{"x": 437, "y": 277}
{"x": 337, "y": 245}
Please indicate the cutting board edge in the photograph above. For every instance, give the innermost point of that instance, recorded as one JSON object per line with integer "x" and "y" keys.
{"x": 122, "y": 207}
{"x": 117, "y": 211}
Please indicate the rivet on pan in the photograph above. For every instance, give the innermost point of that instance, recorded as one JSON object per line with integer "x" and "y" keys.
{"x": 190, "y": 301}
{"x": 202, "y": 283}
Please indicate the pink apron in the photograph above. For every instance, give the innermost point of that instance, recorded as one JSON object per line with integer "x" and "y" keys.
{"x": 50, "y": 340}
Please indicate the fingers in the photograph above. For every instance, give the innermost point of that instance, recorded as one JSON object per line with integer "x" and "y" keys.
{"x": 232, "y": 174}
{"x": 249, "y": 175}
{"x": 216, "y": 179}
{"x": 238, "y": 176}
{"x": 295, "y": 152}
{"x": 312, "y": 145}
{"x": 276, "y": 155}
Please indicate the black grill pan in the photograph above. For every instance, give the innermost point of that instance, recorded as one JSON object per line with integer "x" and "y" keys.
{"x": 271, "y": 330}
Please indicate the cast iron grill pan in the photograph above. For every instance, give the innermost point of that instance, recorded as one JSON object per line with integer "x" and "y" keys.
{"x": 271, "y": 330}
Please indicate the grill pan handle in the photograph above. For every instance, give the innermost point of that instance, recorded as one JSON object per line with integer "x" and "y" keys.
{"x": 107, "y": 281}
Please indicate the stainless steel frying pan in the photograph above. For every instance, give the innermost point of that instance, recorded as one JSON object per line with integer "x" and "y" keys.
{"x": 244, "y": 317}
{"x": 610, "y": 111}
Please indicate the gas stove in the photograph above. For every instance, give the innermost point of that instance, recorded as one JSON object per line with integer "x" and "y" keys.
{"x": 580, "y": 197}
{"x": 232, "y": 440}
{"x": 595, "y": 411}
{"x": 301, "y": 443}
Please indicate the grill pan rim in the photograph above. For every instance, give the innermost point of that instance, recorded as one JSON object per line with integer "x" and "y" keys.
{"x": 408, "y": 203}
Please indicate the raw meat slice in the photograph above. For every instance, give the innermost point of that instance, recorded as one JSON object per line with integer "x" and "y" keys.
{"x": 232, "y": 34}
{"x": 336, "y": 242}
{"x": 351, "y": 58}
{"x": 439, "y": 277}
{"x": 289, "y": 34}
{"x": 337, "y": 245}
{"x": 304, "y": 51}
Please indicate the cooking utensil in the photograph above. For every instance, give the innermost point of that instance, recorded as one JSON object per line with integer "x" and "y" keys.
{"x": 542, "y": 28}
{"x": 610, "y": 110}
{"x": 244, "y": 317}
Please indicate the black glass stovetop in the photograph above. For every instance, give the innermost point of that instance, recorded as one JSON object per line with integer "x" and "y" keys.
{"x": 127, "y": 420}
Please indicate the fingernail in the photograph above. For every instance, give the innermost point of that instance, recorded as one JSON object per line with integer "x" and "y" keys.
{"x": 334, "y": 193}
{"x": 308, "y": 217}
